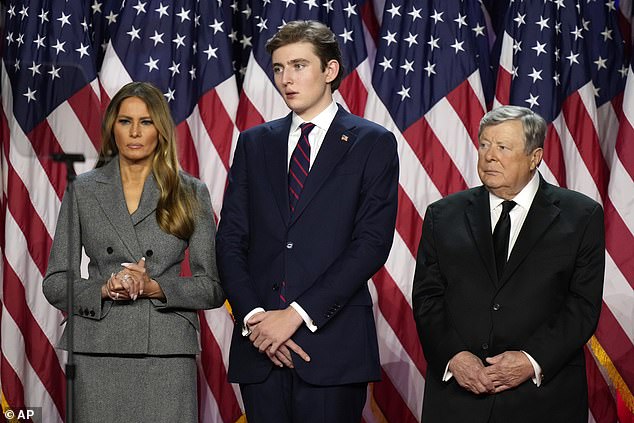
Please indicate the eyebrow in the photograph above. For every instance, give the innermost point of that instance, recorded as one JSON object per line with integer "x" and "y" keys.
{"x": 292, "y": 62}
{"x": 130, "y": 117}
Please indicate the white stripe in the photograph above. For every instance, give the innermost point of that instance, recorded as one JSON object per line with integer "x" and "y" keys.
{"x": 476, "y": 85}
{"x": 228, "y": 93}
{"x": 113, "y": 75}
{"x": 618, "y": 296}
{"x": 396, "y": 363}
{"x": 586, "y": 93}
{"x": 608, "y": 130}
{"x": 400, "y": 265}
{"x": 18, "y": 257}
{"x": 455, "y": 139}
{"x": 26, "y": 165}
{"x": 262, "y": 93}
{"x": 208, "y": 409}
{"x": 621, "y": 182}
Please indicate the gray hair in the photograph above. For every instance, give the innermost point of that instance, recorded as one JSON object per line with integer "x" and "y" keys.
{"x": 533, "y": 124}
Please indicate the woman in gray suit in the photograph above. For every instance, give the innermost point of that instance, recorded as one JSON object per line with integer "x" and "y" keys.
{"x": 136, "y": 325}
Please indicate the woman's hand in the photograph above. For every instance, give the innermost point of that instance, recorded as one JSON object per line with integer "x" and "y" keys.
{"x": 115, "y": 289}
{"x": 135, "y": 278}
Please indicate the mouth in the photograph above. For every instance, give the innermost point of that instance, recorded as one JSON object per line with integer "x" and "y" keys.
{"x": 291, "y": 94}
{"x": 134, "y": 146}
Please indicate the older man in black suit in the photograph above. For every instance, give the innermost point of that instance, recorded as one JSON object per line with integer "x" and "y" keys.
{"x": 508, "y": 287}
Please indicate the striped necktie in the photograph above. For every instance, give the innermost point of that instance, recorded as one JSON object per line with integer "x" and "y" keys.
{"x": 299, "y": 166}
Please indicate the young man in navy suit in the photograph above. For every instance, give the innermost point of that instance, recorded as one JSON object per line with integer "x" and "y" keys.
{"x": 308, "y": 218}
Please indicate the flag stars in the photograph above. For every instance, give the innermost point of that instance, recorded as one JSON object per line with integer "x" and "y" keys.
{"x": 64, "y": 19}
{"x": 35, "y": 69}
{"x": 394, "y": 10}
{"x": 262, "y": 24}
{"x": 478, "y": 29}
{"x": 539, "y": 48}
{"x": 311, "y": 4}
{"x": 247, "y": 12}
{"x": 607, "y": 34}
{"x": 216, "y": 26}
{"x": 411, "y": 39}
{"x": 433, "y": 42}
{"x": 96, "y": 7}
{"x": 39, "y": 41}
{"x": 59, "y": 46}
{"x": 390, "y": 37}
{"x": 346, "y": 36}
{"x": 408, "y": 66}
{"x": 610, "y": 5}
{"x": 16, "y": 65}
{"x": 162, "y": 10}
{"x": 601, "y": 63}
{"x": 20, "y": 39}
{"x": 85, "y": 25}
{"x": 9, "y": 38}
{"x": 192, "y": 73}
{"x": 82, "y": 50}
{"x": 623, "y": 71}
{"x": 30, "y": 95}
{"x": 457, "y": 46}
{"x": 152, "y": 64}
{"x": 179, "y": 40}
{"x": 532, "y": 100}
{"x": 328, "y": 6}
{"x": 134, "y": 33}
{"x": 517, "y": 46}
{"x": 461, "y": 20}
{"x": 573, "y": 58}
{"x": 54, "y": 72}
{"x": 157, "y": 38}
{"x": 595, "y": 91}
{"x": 430, "y": 68}
{"x": 536, "y": 75}
{"x": 520, "y": 19}
{"x": 184, "y": 15}
{"x": 514, "y": 72}
{"x": 577, "y": 33}
{"x": 288, "y": 2}
{"x": 556, "y": 77}
{"x": 112, "y": 18}
{"x": 437, "y": 17}
{"x": 585, "y": 24}
{"x": 246, "y": 41}
{"x": 43, "y": 16}
{"x": 559, "y": 3}
{"x": 24, "y": 12}
{"x": 543, "y": 23}
{"x": 140, "y": 7}
{"x": 350, "y": 9}
{"x": 211, "y": 52}
{"x": 11, "y": 11}
{"x": 169, "y": 95}
{"x": 415, "y": 14}
{"x": 404, "y": 92}
{"x": 386, "y": 64}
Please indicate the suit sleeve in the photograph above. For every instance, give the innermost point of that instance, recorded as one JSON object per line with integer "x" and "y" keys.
{"x": 64, "y": 262}
{"x": 555, "y": 342}
{"x": 371, "y": 239}
{"x": 438, "y": 337}
{"x": 233, "y": 238}
{"x": 202, "y": 290}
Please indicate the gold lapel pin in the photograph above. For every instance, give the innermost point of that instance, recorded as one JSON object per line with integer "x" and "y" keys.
{"x": 344, "y": 138}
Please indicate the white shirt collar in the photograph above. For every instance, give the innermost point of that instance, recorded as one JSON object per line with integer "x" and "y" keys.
{"x": 321, "y": 121}
{"x": 523, "y": 199}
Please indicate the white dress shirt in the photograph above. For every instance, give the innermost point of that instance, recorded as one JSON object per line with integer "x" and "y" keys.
{"x": 523, "y": 200}
{"x": 316, "y": 137}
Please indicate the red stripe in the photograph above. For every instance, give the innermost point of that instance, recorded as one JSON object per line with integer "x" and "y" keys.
{"x": 554, "y": 156}
{"x": 28, "y": 220}
{"x": 585, "y": 137}
{"x": 617, "y": 345}
{"x": 11, "y": 385}
{"x": 391, "y": 402}
{"x": 466, "y": 104}
{"x": 354, "y": 93}
{"x": 408, "y": 222}
{"x": 186, "y": 150}
{"x": 216, "y": 375}
{"x": 247, "y": 115}
{"x": 398, "y": 313}
{"x": 625, "y": 145}
{"x": 300, "y": 166}
{"x": 618, "y": 235}
{"x": 299, "y": 147}
{"x": 218, "y": 124}
{"x": 600, "y": 399}
{"x": 503, "y": 86}
{"x": 434, "y": 158}
{"x": 38, "y": 348}
{"x": 86, "y": 106}
{"x": 297, "y": 179}
{"x": 44, "y": 144}
{"x": 368, "y": 16}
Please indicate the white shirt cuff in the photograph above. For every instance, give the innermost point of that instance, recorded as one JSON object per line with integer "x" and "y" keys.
{"x": 537, "y": 380}
{"x": 245, "y": 328}
{"x": 447, "y": 375}
{"x": 309, "y": 322}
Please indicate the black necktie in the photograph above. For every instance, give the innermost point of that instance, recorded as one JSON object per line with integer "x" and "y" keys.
{"x": 299, "y": 166}
{"x": 501, "y": 236}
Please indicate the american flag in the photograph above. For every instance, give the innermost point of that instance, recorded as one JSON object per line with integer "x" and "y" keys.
{"x": 428, "y": 70}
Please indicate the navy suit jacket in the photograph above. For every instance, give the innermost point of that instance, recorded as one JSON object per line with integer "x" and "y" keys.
{"x": 339, "y": 235}
{"x": 546, "y": 303}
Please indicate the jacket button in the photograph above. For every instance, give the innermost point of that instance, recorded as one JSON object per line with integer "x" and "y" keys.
{"x": 92, "y": 313}
{"x": 81, "y": 311}
{"x": 485, "y": 346}
{"x": 109, "y": 250}
{"x": 275, "y": 287}
{"x": 149, "y": 253}
{"x": 289, "y": 245}
{"x": 496, "y": 307}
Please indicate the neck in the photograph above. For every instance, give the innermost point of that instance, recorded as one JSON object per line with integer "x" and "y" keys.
{"x": 134, "y": 172}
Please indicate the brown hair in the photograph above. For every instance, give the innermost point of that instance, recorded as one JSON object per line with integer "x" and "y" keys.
{"x": 316, "y": 33}
{"x": 177, "y": 204}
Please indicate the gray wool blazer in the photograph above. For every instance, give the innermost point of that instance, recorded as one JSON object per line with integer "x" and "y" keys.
{"x": 95, "y": 216}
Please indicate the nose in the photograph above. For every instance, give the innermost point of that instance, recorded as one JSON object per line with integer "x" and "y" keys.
{"x": 135, "y": 130}
{"x": 286, "y": 78}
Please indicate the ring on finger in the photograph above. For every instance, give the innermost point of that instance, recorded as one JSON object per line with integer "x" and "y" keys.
{"x": 117, "y": 296}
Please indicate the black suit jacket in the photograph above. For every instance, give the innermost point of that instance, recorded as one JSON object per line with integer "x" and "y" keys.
{"x": 339, "y": 235}
{"x": 546, "y": 303}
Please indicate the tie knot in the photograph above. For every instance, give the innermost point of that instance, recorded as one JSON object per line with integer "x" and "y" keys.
{"x": 306, "y": 127}
{"x": 507, "y": 206}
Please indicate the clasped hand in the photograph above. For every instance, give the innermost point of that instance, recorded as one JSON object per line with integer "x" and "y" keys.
{"x": 271, "y": 332}
{"x": 127, "y": 284}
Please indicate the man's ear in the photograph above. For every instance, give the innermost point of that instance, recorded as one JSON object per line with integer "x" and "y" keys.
{"x": 536, "y": 157}
{"x": 332, "y": 70}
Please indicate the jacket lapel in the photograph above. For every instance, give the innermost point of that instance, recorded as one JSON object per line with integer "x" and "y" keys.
{"x": 479, "y": 217}
{"x": 149, "y": 200}
{"x": 332, "y": 150}
{"x": 109, "y": 195}
{"x": 540, "y": 216}
{"x": 276, "y": 152}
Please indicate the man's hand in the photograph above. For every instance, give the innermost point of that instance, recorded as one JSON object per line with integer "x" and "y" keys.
{"x": 271, "y": 329}
{"x": 508, "y": 370}
{"x": 282, "y": 357}
{"x": 468, "y": 370}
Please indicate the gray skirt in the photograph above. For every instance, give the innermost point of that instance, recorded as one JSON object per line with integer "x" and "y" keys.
{"x": 123, "y": 388}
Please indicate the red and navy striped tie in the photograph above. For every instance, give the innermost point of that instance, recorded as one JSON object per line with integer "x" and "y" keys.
{"x": 299, "y": 166}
